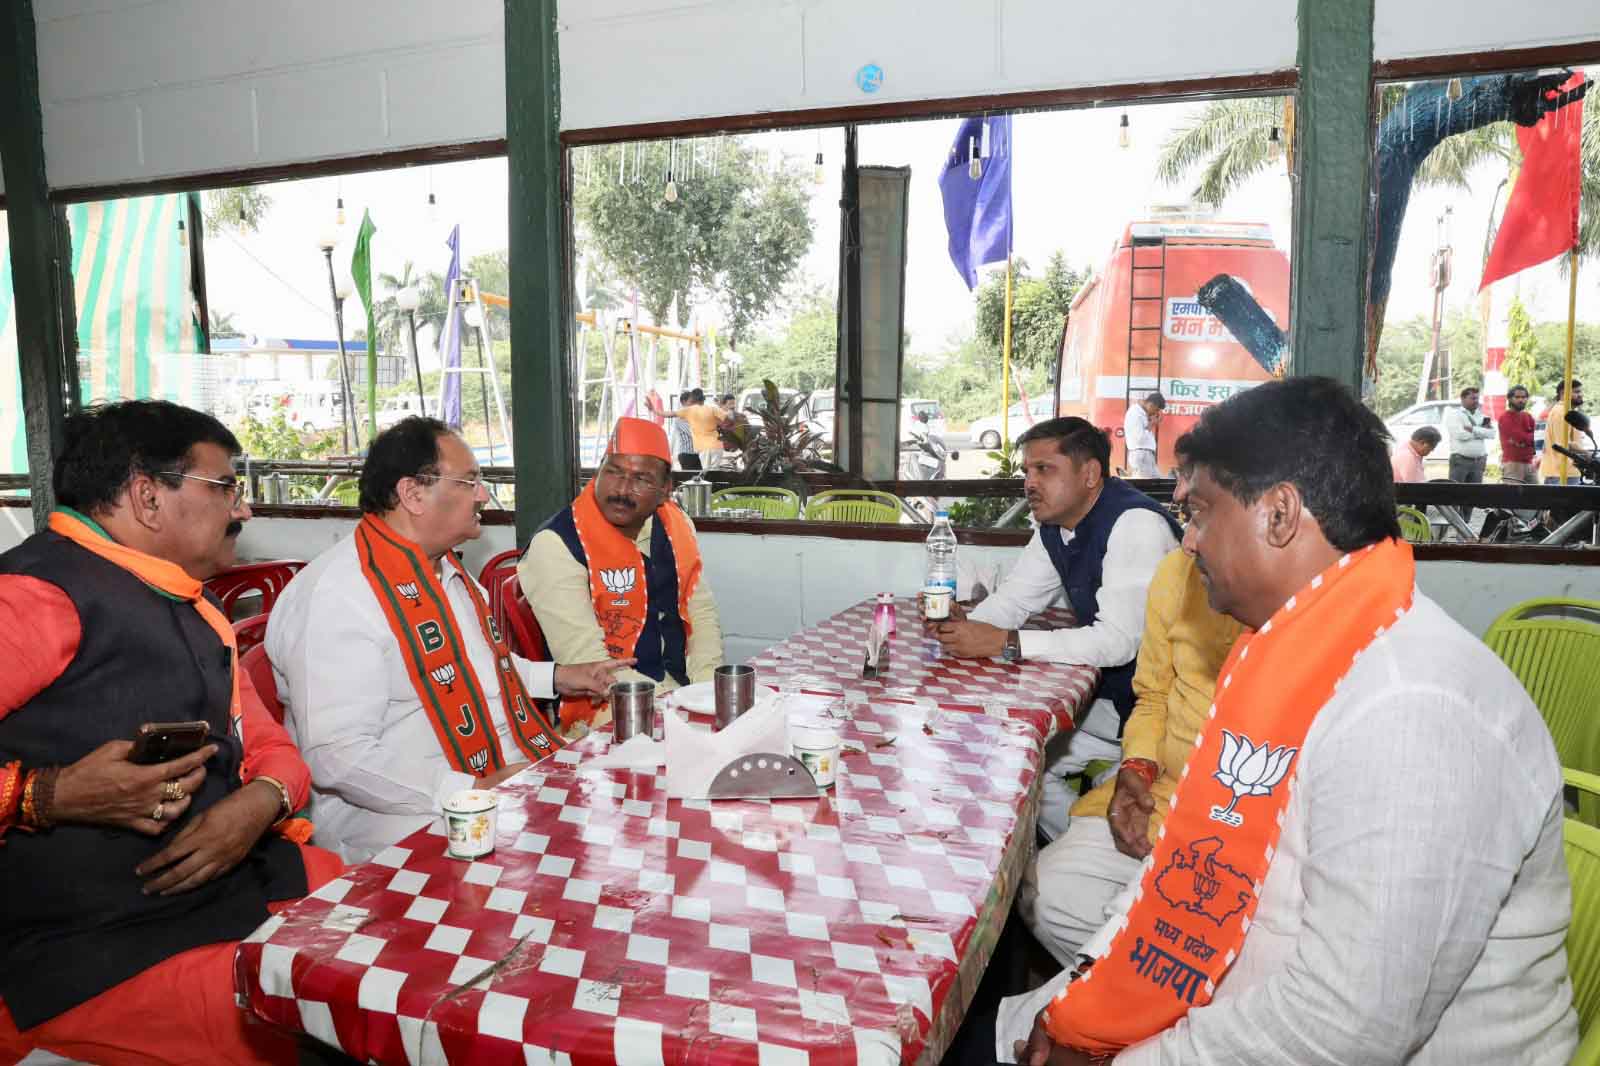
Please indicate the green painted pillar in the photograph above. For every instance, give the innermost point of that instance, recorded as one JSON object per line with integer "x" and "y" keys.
{"x": 37, "y": 263}
{"x": 1334, "y": 133}
{"x": 542, "y": 431}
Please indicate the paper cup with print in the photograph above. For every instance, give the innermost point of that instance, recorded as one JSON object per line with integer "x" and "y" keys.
{"x": 470, "y": 819}
{"x": 936, "y": 602}
{"x": 816, "y": 744}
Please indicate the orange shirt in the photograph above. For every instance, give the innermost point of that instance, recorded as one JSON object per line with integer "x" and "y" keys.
{"x": 703, "y": 421}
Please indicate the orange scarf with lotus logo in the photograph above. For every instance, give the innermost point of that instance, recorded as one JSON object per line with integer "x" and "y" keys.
{"x": 1200, "y": 885}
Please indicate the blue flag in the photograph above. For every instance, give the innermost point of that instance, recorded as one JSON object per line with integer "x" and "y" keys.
{"x": 977, "y": 210}
{"x": 450, "y": 348}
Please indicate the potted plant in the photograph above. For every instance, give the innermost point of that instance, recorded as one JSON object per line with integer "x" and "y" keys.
{"x": 782, "y": 447}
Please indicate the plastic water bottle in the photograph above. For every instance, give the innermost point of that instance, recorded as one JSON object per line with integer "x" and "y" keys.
{"x": 941, "y": 554}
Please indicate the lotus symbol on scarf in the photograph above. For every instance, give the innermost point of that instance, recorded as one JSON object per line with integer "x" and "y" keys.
{"x": 619, "y": 582}
{"x": 445, "y": 675}
{"x": 1249, "y": 770}
{"x": 408, "y": 589}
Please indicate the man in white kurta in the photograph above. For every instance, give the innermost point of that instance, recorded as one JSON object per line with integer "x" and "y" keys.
{"x": 377, "y": 770}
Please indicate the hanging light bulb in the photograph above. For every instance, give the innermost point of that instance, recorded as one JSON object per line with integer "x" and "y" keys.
{"x": 1453, "y": 89}
{"x": 1274, "y": 146}
{"x": 1122, "y": 131}
{"x": 433, "y": 208}
{"x": 242, "y": 220}
{"x": 671, "y": 195}
{"x": 818, "y": 175}
{"x": 975, "y": 163}
{"x": 338, "y": 212}
{"x": 183, "y": 235}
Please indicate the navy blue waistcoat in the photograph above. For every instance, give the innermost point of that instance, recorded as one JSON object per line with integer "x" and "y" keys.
{"x": 1079, "y": 562}
{"x": 662, "y": 646}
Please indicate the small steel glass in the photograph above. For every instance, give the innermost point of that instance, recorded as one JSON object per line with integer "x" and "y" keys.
{"x": 633, "y": 709}
{"x": 735, "y": 689}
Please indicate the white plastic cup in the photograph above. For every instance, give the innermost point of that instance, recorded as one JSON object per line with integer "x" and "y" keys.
{"x": 936, "y": 601}
{"x": 470, "y": 819}
{"x": 816, "y": 745}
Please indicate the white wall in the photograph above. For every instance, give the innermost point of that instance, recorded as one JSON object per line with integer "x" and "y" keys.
{"x": 770, "y": 587}
{"x": 139, "y": 89}
{"x": 1407, "y": 28}
{"x": 16, "y": 525}
{"x": 625, "y": 61}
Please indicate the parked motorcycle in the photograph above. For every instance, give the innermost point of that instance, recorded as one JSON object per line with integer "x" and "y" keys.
{"x": 923, "y": 457}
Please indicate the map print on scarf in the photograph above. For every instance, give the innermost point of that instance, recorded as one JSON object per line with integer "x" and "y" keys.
{"x": 1198, "y": 882}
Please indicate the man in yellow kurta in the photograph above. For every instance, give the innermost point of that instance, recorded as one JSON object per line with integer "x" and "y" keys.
{"x": 618, "y": 575}
{"x": 1064, "y": 895}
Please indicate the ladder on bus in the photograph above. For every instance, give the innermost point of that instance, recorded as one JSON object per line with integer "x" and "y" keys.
{"x": 1139, "y": 325}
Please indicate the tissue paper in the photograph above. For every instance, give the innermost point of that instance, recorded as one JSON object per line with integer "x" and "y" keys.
{"x": 695, "y": 754}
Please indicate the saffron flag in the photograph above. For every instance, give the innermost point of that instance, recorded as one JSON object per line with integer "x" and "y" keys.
{"x": 976, "y": 187}
{"x": 361, "y": 273}
{"x": 450, "y": 378}
{"x": 1541, "y": 219}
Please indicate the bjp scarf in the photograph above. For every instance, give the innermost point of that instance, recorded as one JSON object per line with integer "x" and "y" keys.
{"x": 617, "y": 583}
{"x": 1201, "y": 883}
{"x": 172, "y": 579}
{"x": 413, "y": 600}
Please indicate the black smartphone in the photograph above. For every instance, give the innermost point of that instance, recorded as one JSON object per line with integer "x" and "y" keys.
{"x": 160, "y": 741}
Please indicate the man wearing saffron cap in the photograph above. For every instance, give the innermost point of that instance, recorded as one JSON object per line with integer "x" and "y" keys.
{"x": 617, "y": 575}
{"x": 1362, "y": 862}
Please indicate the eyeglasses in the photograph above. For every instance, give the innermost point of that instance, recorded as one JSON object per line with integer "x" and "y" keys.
{"x": 233, "y": 486}
{"x": 640, "y": 483}
{"x": 474, "y": 483}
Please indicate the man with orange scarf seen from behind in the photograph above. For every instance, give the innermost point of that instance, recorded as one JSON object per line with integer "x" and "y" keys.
{"x": 1363, "y": 860}
{"x": 618, "y": 575}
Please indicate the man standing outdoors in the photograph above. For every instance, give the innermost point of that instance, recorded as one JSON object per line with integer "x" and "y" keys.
{"x": 1554, "y": 467}
{"x": 703, "y": 419}
{"x": 1516, "y": 439}
{"x": 127, "y": 887}
{"x": 1139, "y": 436}
{"x": 1099, "y": 542}
{"x": 1363, "y": 859}
{"x": 398, "y": 684}
{"x": 1467, "y": 429}
{"x": 1405, "y": 458}
{"x": 680, "y": 436}
{"x": 617, "y": 576}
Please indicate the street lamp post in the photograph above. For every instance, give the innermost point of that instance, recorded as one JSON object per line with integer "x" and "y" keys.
{"x": 347, "y": 417}
{"x": 409, "y": 299}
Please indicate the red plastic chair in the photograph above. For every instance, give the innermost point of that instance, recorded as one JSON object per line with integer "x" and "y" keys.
{"x": 249, "y": 580}
{"x": 522, "y": 627}
{"x": 493, "y": 579}
{"x": 250, "y": 633}
{"x": 256, "y": 664}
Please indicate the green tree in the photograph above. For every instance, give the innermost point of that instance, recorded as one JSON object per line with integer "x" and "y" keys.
{"x": 1039, "y": 309}
{"x": 1405, "y": 344}
{"x": 241, "y": 208}
{"x": 222, "y": 325}
{"x": 734, "y": 234}
{"x": 804, "y": 356}
{"x": 493, "y": 271}
{"x": 1522, "y": 348}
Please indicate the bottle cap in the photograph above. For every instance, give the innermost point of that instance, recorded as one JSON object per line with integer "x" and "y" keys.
{"x": 941, "y": 514}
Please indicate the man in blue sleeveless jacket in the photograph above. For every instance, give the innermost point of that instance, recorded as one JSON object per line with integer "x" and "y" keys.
{"x": 1098, "y": 544}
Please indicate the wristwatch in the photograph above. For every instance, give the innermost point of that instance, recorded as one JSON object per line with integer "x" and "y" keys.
{"x": 1012, "y": 652}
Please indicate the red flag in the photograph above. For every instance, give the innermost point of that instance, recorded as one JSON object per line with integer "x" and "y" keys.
{"x": 1541, "y": 219}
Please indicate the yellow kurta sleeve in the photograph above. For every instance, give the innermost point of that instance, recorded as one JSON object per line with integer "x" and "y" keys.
{"x": 704, "y": 653}
{"x": 1152, "y": 679}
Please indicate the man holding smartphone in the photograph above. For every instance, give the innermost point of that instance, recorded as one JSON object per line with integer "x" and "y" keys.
{"x": 127, "y": 886}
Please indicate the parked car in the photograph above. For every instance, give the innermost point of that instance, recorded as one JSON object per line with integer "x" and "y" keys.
{"x": 986, "y": 431}
{"x": 926, "y": 413}
{"x": 397, "y": 407}
{"x": 1431, "y": 413}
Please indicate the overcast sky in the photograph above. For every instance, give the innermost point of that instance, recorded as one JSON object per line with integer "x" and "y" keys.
{"x": 1074, "y": 189}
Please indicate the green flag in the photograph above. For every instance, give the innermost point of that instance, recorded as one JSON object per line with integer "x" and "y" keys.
{"x": 361, "y": 272}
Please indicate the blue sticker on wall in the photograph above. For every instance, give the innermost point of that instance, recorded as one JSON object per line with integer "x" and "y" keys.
{"x": 869, "y": 79}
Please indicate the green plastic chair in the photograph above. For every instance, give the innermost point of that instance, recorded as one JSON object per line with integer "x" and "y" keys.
{"x": 771, "y": 502}
{"x": 1553, "y": 646}
{"x": 1414, "y": 525}
{"x": 853, "y": 505}
{"x": 1582, "y": 843}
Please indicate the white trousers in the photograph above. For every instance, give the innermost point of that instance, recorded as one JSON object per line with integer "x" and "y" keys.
{"x": 1066, "y": 756}
{"x": 1142, "y": 462}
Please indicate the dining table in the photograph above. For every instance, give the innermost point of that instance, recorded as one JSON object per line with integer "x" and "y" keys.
{"x": 613, "y": 922}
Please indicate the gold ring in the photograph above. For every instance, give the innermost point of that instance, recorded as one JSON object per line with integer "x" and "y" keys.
{"x": 172, "y": 791}
{"x": 159, "y": 812}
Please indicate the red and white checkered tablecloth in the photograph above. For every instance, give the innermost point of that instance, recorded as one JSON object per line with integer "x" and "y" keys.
{"x": 828, "y": 658}
{"x": 611, "y": 924}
